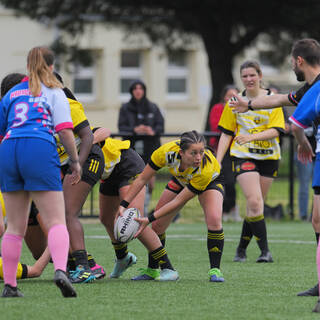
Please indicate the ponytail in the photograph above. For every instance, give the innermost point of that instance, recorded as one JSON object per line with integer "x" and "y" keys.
{"x": 39, "y": 61}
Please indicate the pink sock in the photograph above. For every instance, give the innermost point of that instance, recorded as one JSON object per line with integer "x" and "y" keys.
{"x": 11, "y": 251}
{"x": 58, "y": 243}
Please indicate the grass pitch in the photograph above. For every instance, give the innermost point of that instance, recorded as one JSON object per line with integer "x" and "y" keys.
{"x": 251, "y": 290}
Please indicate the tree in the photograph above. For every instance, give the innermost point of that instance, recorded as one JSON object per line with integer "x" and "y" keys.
{"x": 226, "y": 27}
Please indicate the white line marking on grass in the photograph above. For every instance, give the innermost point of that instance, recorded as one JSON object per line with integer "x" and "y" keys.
{"x": 200, "y": 238}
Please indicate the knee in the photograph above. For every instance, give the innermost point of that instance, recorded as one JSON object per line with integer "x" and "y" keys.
{"x": 255, "y": 204}
{"x": 214, "y": 226}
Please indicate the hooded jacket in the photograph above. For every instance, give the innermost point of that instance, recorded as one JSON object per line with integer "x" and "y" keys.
{"x": 135, "y": 113}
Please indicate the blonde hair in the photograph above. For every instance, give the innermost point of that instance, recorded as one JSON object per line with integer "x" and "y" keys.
{"x": 38, "y": 63}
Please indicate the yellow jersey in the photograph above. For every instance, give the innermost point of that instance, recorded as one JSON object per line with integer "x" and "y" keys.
{"x": 79, "y": 121}
{"x": 250, "y": 122}
{"x": 196, "y": 178}
{"x": 111, "y": 149}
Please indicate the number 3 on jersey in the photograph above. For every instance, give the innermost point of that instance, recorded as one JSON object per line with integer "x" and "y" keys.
{"x": 20, "y": 110}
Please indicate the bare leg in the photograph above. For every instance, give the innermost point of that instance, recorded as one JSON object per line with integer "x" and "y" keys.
{"x": 17, "y": 208}
{"x": 75, "y": 196}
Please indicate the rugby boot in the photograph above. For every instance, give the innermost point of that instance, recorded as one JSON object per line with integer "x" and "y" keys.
{"x": 11, "y": 292}
{"x": 123, "y": 264}
{"x": 240, "y": 256}
{"x": 147, "y": 274}
{"x": 63, "y": 283}
{"x": 215, "y": 275}
{"x": 312, "y": 292}
{"x": 265, "y": 257}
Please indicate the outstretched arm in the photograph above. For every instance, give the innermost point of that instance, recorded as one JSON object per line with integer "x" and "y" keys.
{"x": 240, "y": 104}
{"x": 37, "y": 269}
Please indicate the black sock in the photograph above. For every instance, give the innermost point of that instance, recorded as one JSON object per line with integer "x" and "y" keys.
{"x": 317, "y": 237}
{"x": 160, "y": 255}
{"x": 120, "y": 249}
{"x": 152, "y": 263}
{"x": 81, "y": 258}
{"x": 162, "y": 238}
{"x": 91, "y": 261}
{"x": 215, "y": 242}
{"x": 259, "y": 231}
{"x": 246, "y": 234}
{"x": 71, "y": 265}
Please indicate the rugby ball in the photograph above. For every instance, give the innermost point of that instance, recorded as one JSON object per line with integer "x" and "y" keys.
{"x": 125, "y": 226}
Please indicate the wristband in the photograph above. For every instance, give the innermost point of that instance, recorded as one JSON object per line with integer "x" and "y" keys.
{"x": 124, "y": 203}
{"x": 250, "y": 105}
{"x": 151, "y": 217}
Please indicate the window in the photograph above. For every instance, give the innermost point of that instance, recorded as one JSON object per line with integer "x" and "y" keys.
{"x": 131, "y": 69}
{"x": 84, "y": 83}
{"x": 177, "y": 75}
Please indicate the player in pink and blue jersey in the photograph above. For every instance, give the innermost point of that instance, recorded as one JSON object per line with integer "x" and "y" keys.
{"x": 30, "y": 113}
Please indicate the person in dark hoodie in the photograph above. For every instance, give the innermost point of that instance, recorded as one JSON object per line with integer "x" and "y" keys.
{"x": 144, "y": 120}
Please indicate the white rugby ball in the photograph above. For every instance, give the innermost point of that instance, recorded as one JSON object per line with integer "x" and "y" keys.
{"x": 125, "y": 226}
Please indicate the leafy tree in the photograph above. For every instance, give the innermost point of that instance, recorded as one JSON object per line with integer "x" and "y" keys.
{"x": 226, "y": 27}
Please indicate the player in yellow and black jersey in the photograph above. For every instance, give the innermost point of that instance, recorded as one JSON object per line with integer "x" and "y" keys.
{"x": 92, "y": 163}
{"x": 255, "y": 152}
{"x": 195, "y": 171}
{"x": 122, "y": 166}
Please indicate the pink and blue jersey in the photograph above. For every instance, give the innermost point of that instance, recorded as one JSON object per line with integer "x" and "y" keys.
{"x": 308, "y": 111}
{"x": 28, "y": 153}
{"x": 22, "y": 115}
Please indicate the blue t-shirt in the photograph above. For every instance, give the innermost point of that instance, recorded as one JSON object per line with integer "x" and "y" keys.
{"x": 308, "y": 110}
{"x": 23, "y": 115}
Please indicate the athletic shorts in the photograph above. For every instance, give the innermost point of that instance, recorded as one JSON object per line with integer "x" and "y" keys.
{"x": 316, "y": 175}
{"x": 29, "y": 164}
{"x": 217, "y": 184}
{"x": 92, "y": 168}
{"x": 123, "y": 174}
{"x": 266, "y": 168}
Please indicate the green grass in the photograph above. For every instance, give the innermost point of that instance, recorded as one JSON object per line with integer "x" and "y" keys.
{"x": 278, "y": 193}
{"x": 251, "y": 290}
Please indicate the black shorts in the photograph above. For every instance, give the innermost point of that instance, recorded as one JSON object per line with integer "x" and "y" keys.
{"x": 217, "y": 184}
{"x": 33, "y": 221}
{"x": 266, "y": 168}
{"x": 93, "y": 167}
{"x": 123, "y": 174}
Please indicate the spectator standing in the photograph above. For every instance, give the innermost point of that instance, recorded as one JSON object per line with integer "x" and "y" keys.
{"x": 144, "y": 120}
{"x": 230, "y": 210}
